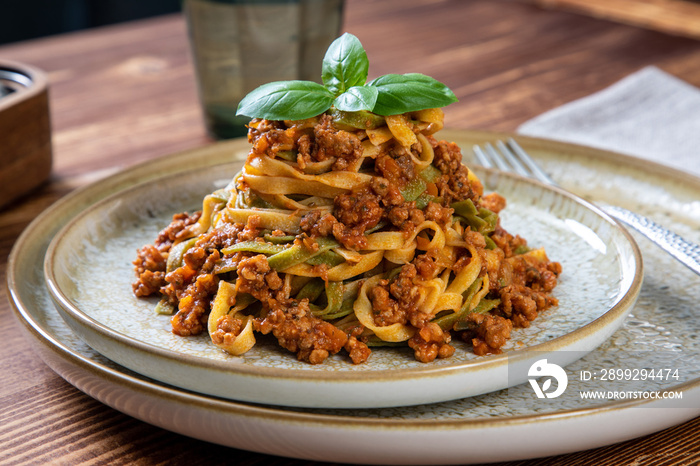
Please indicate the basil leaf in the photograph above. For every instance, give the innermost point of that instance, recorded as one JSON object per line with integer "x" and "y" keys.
{"x": 401, "y": 93}
{"x": 344, "y": 74}
{"x": 345, "y": 64}
{"x": 286, "y": 100}
{"x": 357, "y": 98}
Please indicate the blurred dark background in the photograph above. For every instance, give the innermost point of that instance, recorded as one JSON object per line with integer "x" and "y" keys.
{"x": 28, "y": 19}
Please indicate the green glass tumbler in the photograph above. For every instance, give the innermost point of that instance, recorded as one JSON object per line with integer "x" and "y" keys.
{"x": 238, "y": 45}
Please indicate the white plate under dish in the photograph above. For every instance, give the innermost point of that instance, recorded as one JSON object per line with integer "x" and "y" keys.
{"x": 663, "y": 321}
{"x": 89, "y": 273}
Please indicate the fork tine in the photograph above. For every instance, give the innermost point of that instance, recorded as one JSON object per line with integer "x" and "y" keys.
{"x": 481, "y": 158}
{"x": 497, "y": 159}
{"x": 531, "y": 165}
{"x": 510, "y": 157}
{"x": 515, "y": 164}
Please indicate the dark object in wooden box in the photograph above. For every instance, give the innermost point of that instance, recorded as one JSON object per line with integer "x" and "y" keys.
{"x": 25, "y": 130}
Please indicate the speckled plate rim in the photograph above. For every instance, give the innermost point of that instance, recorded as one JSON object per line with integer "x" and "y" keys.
{"x": 92, "y": 331}
{"x": 92, "y": 377}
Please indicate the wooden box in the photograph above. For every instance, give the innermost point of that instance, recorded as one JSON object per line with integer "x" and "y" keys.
{"x": 25, "y": 130}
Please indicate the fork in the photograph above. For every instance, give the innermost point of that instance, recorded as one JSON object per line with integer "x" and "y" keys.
{"x": 510, "y": 157}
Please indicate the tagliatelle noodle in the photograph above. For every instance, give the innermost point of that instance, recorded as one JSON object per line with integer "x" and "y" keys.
{"x": 224, "y": 303}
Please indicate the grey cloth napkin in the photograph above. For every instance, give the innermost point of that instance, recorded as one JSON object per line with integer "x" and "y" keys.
{"x": 649, "y": 114}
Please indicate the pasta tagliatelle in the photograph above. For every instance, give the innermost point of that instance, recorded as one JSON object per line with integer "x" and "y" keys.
{"x": 348, "y": 231}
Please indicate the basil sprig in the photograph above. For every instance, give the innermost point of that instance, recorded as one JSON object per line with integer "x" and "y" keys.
{"x": 345, "y": 87}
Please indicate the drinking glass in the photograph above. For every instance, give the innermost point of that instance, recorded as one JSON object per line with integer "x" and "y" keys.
{"x": 237, "y": 45}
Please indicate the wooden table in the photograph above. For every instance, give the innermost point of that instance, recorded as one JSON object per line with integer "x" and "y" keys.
{"x": 124, "y": 94}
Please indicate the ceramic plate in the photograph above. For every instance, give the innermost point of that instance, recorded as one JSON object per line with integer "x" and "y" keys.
{"x": 663, "y": 323}
{"x": 89, "y": 273}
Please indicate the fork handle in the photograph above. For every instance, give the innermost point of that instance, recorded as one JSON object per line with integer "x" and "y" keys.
{"x": 684, "y": 251}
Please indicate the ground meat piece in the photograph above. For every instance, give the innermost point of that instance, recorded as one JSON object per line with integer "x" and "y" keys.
{"x": 194, "y": 305}
{"x": 196, "y": 262}
{"x": 386, "y": 310}
{"x": 257, "y": 127}
{"x": 223, "y": 236}
{"x": 177, "y": 280}
{"x": 406, "y": 217}
{"x": 356, "y": 212}
{"x": 397, "y": 301}
{"x": 148, "y": 283}
{"x": 320, "y": 271}
{"x": 150, "y": 269}
{"x": 402, "y": 286}
{"x": 297, "y": 330}
{"x": 534, "y": 273}
{"x": 305, "y": 148}
{"x": 505, "y": 274}
{"x": 318, "y": 223}
{"x": 447, "y": 156}
{"x": 194, "y": 257}
{"x": 257, "y": 278}
{"x": 388, "y": 193}
{"x": 489, "y": 333}
{"x": 404, "y": 161}
{"x": 269, "y": 137}
{"x": 431, "y": 342}
{"x": 426, "y": 266}
{"x": 351, "y": 238}
{"x": 227, "y": 234}
{"x": 547, "y": 279}
{"x": 522, "y": 304}
{"x": 439, "y": 214}
{"x": 396, "y": 166}
{"x": 210, "y": 263}
{"x": 251, "y": 230}
{"x": 176, "y": 230}
{"x": 518, "y": 304}
{"x": 555, "y": 268}
{"x": 474, "y": 238}
{"x": 149, "y": 258}
{"x": 364, "y": 208}
{"x": 358, "y": 351}
{"x": 494, "y": 202}
{"x": 360, "y": 208}
{"x": 227, "y": 329}
{"x": 507, "y": 242}
{"x": 331, "y": 142}
{"x": 454, "y": 184}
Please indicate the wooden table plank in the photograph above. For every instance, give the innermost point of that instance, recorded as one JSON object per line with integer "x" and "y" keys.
{"x": 677, "y": 17}
{"x": 126, "y": 93}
